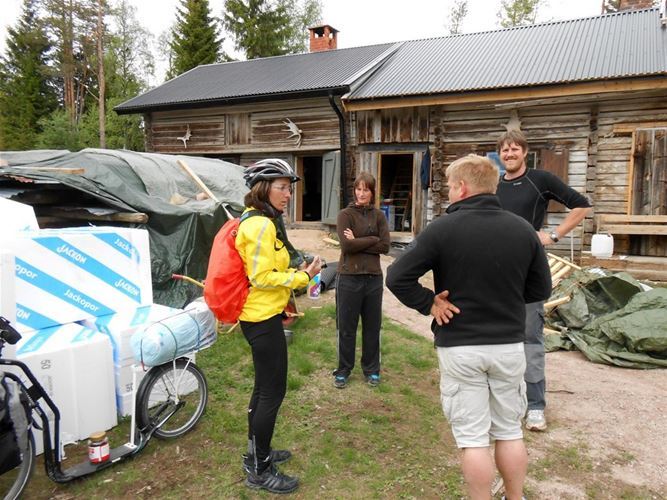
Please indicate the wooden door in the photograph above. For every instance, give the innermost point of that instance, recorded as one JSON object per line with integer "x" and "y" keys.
{"x": 330, "y": 187}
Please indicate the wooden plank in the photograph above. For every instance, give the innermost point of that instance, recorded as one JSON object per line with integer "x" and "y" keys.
{"x": 640, "y": 267}
{"x": 85, "y": 214}
{"x": 57, "y": 170}
{"x": 197, "y": 180}
{"x": 641, "y": 219}
{"x": 648, "y": 229}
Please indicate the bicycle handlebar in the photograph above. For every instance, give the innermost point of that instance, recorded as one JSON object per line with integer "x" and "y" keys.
{"x": 8, "y": 333}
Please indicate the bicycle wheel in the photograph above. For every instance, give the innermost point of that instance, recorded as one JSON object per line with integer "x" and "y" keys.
{"x": 14, "y": 481}
{"x": 178, "y": 388}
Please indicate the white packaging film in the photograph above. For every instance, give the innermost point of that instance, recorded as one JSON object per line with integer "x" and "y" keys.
{"x": 120, "y": 327}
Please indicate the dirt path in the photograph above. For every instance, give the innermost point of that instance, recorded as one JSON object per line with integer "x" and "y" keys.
{"x": 612, "y": 420}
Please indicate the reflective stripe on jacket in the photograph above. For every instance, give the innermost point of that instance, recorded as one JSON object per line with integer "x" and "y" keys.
{"x": 266, "y": 262}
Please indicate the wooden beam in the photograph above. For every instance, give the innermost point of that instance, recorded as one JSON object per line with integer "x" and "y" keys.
{"x": 197, "y": 180}
{"x": 640, "y": 219}
{"x": 645, "y": 229}
{"x": 628, "y": 128}
{"x": 524, "y": 93}
{"x": 556, "y": 302}
{"x": 84, "y": 214}
{"x": 58, "y": 170}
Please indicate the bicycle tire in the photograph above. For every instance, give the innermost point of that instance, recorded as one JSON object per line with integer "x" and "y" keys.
{"x": 20, "y": 475}
{"x": 159, "y": 392}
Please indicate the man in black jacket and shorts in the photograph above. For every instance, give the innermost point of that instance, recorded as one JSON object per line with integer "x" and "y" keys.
{"x": 493, "y": 263}
{"x": 526, "y": 193}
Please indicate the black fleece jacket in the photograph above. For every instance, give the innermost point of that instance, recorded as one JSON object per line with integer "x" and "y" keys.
{"x": 490, "y": 260}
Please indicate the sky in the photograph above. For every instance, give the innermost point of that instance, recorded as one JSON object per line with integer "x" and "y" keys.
{"x": 359, "y": 22}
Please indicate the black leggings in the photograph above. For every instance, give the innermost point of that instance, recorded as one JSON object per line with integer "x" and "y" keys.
{"x": 269, "y": 357}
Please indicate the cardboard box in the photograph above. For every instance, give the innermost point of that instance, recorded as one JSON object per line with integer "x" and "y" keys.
{"x": 66, "y": 275}
{"x": 74, "y": 365}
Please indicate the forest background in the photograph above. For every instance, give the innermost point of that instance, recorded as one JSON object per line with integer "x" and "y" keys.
{"x": 68, "y": 63}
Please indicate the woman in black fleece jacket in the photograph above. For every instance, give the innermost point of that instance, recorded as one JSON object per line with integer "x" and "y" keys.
{"x": 364, "y": 235}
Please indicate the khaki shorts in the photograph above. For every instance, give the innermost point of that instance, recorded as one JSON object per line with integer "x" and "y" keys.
{"x": 483, "y": 393}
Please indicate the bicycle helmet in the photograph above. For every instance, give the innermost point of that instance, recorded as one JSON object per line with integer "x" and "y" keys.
{"x": 271, "y": 168}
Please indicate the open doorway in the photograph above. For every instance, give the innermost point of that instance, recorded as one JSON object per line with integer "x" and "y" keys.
{"x": 311, "y": 198}
{"x": 396, "y": 190}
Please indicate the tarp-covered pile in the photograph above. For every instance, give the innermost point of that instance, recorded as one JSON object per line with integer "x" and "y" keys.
{"x": 611, "y": 319}
{"x": 181, "y": 225}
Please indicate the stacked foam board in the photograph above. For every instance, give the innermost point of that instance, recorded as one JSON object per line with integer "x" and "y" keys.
{"x": 68, "y": 275}
{"x": 74, "y": 365}
{"x": 119, "y": 328}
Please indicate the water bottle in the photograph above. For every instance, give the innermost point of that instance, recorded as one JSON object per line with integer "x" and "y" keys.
{"x": 314, "y": 287}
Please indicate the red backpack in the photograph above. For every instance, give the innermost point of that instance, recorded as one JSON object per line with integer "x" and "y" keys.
{"x": 226, "y": 287}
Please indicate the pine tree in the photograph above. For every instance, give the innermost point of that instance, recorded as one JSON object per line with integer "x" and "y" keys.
{"x": 195, "y": 37}
{"x": 263, "y": 28}
{"x": 518, "y": 12}
{"x": 129, "y": 64}
{"x": 72, "y": 25}
{"x": 26, "y": 94}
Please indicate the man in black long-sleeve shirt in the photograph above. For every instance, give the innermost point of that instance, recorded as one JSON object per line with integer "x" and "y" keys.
{"x": 526, "y": 193}
{"x": 480, "y": 349}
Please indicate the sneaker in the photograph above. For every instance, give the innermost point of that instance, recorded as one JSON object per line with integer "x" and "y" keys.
{"x": 271, "y": 480}
{"x": 373, "y": 379}
{"x": 536, "y": 421}
{"x": 340, "y": 381}
{"x": 503, "y": 498}
{"x": 277, "y": 457}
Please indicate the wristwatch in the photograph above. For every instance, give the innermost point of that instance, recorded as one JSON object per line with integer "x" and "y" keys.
{"x": 554, "y": 236}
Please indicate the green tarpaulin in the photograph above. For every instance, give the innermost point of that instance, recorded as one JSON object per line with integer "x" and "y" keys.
{"x": 181, "y": 228}
{"x": 611, "y": 319}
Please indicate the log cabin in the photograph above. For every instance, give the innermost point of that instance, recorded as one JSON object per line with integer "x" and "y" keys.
{"x": 590, "y": 94}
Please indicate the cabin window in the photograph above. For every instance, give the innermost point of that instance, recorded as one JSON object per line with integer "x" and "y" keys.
{"x": 649, "y": 172}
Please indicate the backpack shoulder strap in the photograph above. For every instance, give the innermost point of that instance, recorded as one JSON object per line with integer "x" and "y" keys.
{"x": 250, "y": 213}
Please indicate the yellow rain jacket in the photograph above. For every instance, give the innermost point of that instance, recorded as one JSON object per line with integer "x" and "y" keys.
{"x": 266, "y": 262}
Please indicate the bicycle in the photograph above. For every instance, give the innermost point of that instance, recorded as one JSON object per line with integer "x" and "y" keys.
{"x": 169, "y": 402}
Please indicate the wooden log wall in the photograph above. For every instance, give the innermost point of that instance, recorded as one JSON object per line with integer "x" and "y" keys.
{"x": 617, "y": 124}
{"x": 392, "y": 125}
{"x": 460, "y": 130}
{"x": 250, "y": 128}
{"x": 597, "y": 131}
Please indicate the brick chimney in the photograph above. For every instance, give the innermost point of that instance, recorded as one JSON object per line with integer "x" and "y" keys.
{"x": 323, "y": 37}
{"x": 634, "y": 4}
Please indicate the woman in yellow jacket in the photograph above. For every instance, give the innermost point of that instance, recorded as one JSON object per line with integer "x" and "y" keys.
{"x": 266, "y": 262}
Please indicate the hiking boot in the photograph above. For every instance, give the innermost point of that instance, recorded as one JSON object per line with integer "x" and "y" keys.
{"x": 271, "y": 480}
{"x": 340, "y": 381}
{"x": 536, "y": 421}
{"x": 373, "y": 379}
{"x": 277, "y": 457}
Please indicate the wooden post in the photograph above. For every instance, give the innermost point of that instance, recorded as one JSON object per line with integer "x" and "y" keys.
{"x": 203, "y": 186}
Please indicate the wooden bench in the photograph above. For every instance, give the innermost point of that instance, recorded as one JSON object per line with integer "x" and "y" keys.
{"x": 645, "y": 257}
{"x": 648, "y": 225}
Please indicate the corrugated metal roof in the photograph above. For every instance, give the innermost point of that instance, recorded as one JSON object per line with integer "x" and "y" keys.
{"x": 619, "y": 45}
{"x": 268, "y": 76}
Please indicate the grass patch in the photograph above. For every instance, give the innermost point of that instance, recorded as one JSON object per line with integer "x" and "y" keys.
{"x": 360, "y": 442}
